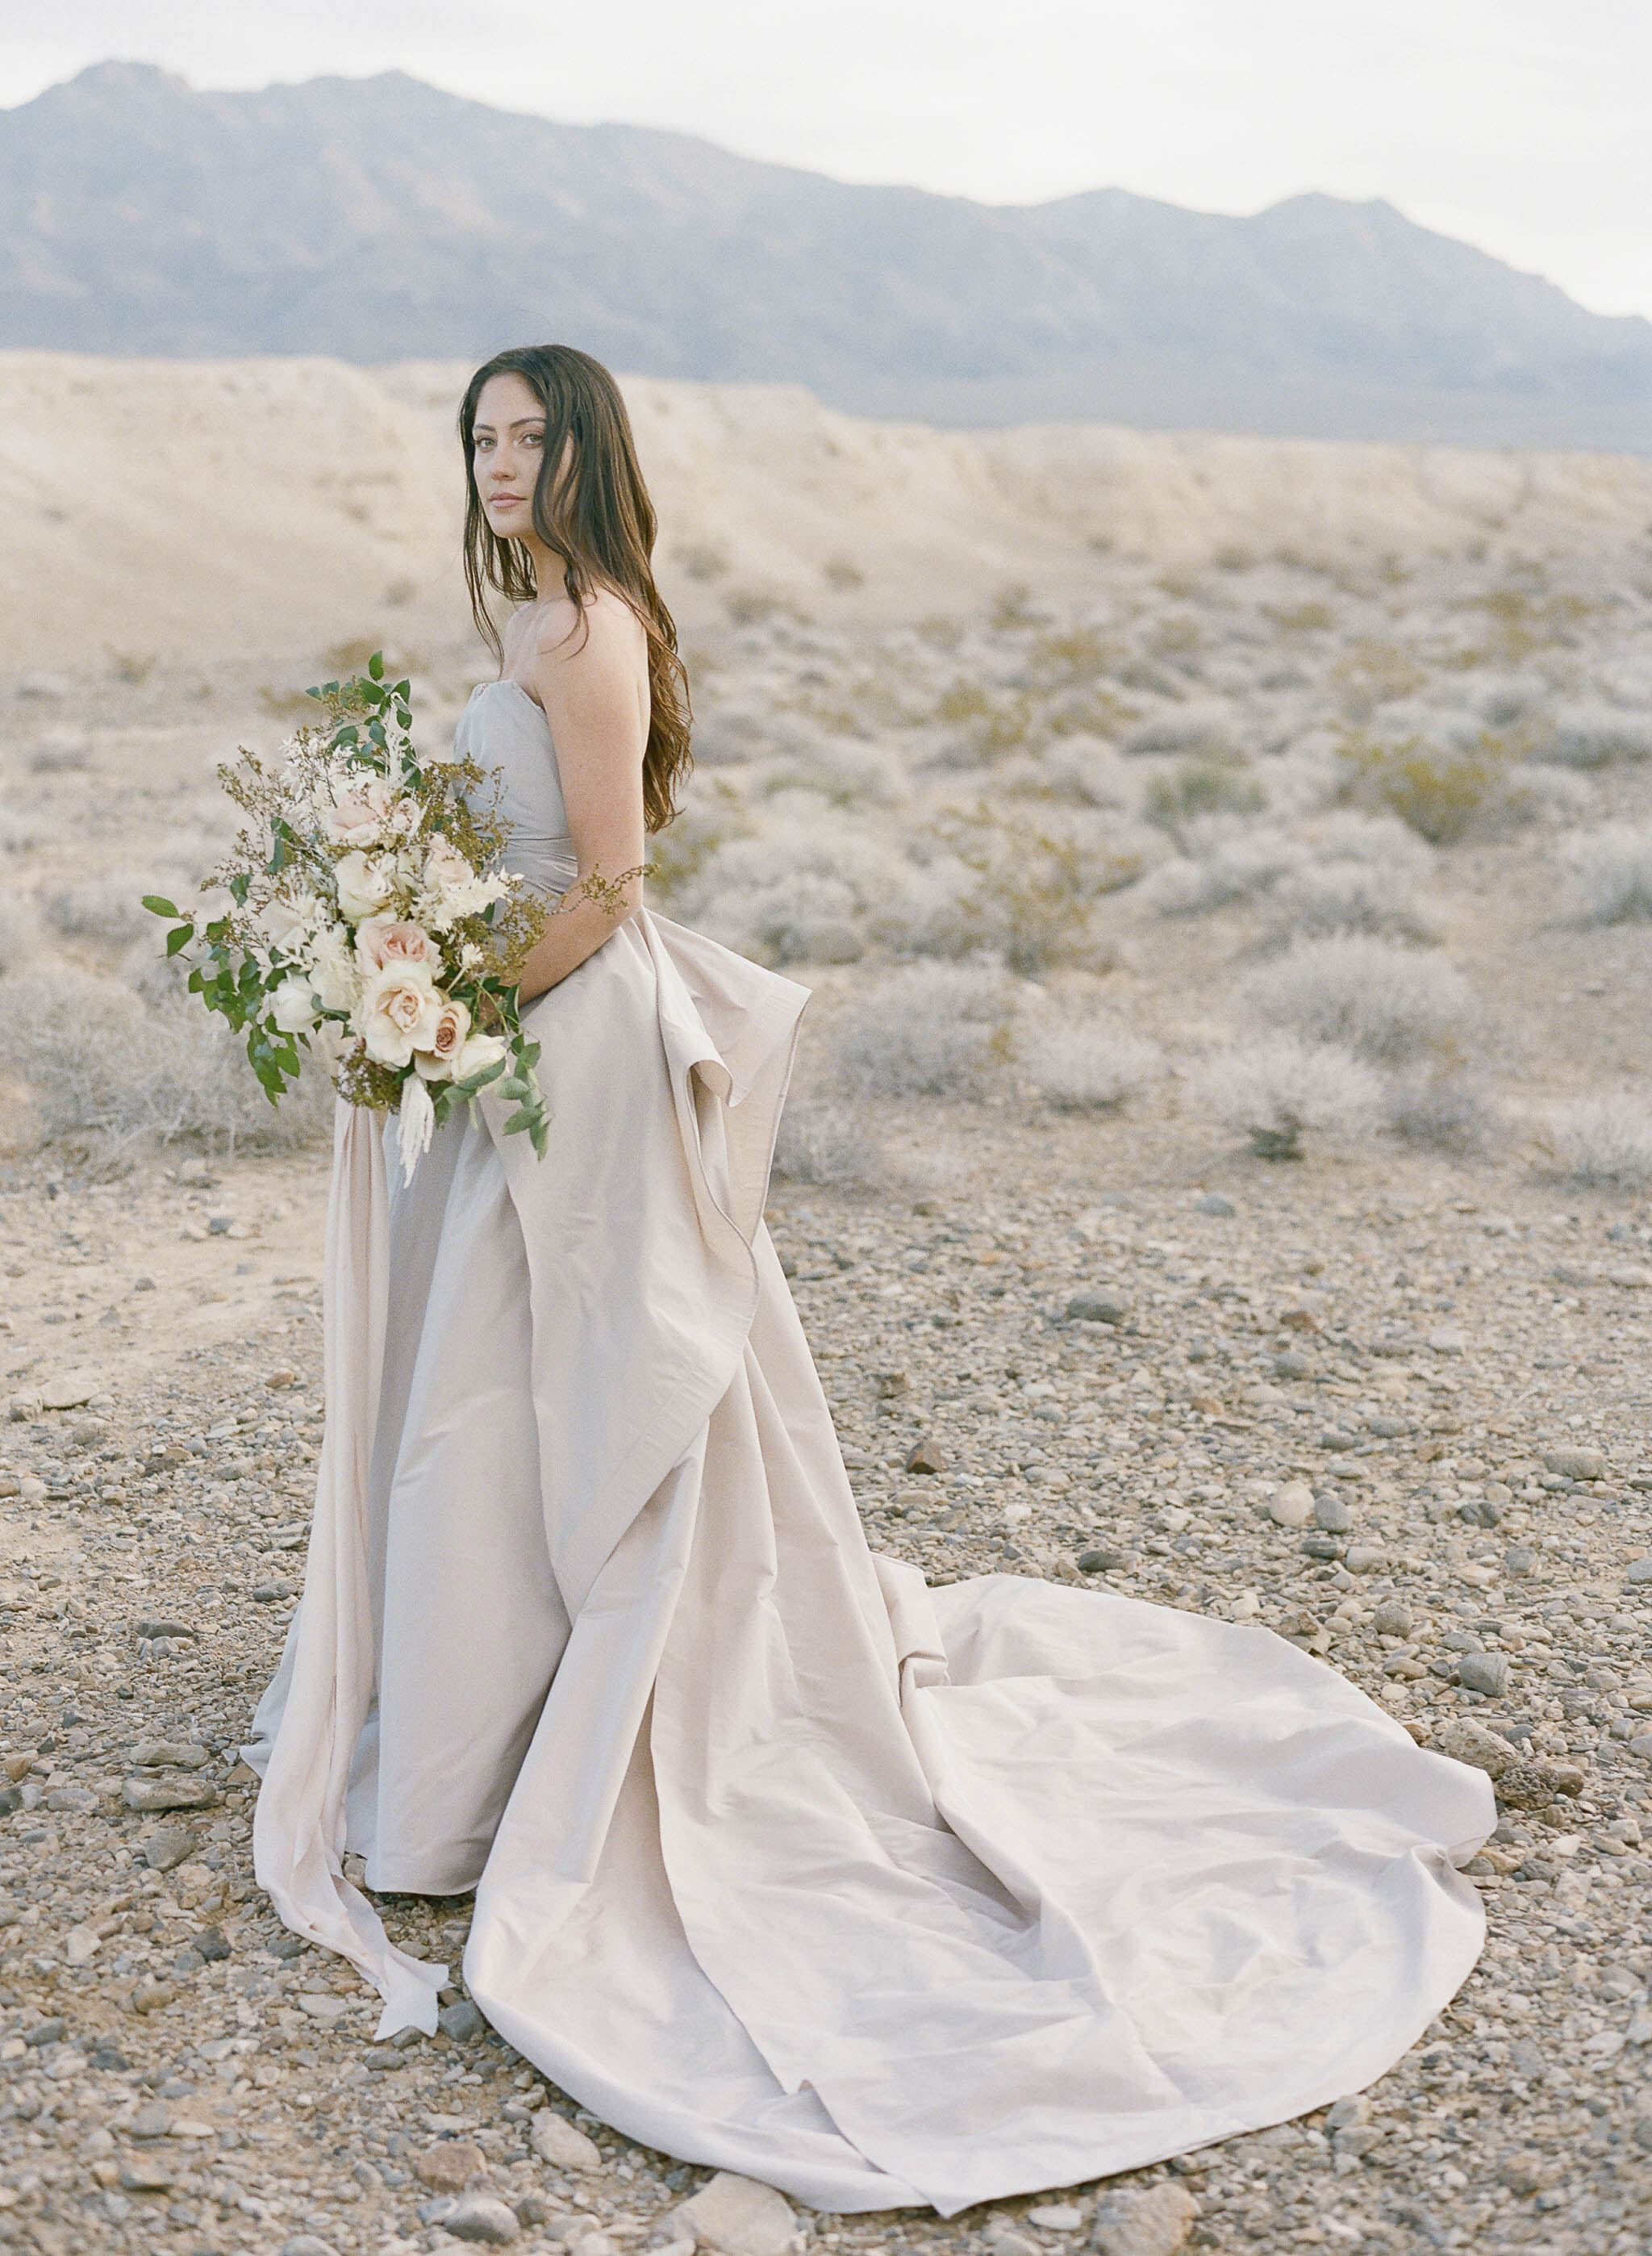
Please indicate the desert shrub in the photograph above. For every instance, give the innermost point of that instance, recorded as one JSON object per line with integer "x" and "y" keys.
{"x": 1371, "y": 672}
{"x": 708, "y": 821}
{"x": 1599, "y": 1140}
{"x": 1024, "y": 888}
{"x": 846, "y": 769}
{"x": 1085, "y": 1064}
{"x": 1348, "y": 896}
{"x": 1201, "y": 787}
{"x": 110, "y": 1071}
{"x": 1444, "y": 1113}
{"x": 795, "y": 891}
{"x": 842, "y": 572}
{"x": 1201, "y": 732}
{"x": 110, "y": 908}
{"x": 1440, "y": 788}
{"x": 1277, "y": 1090}
{"x": 1611, "y": 873}
{"x": 1538, "y": 792}
{"x": 1222, "y": 861}
{"x": 930, "y": 1030}
{"x": 19, "y": 932}
{"x": 988, "y": 722}
{"x": 1075, "y": 657}
{"x": 823, "y": 1142}
{"x": 1088, "y": 770}
{"x": 1386, "y": 1004}
{"x": 1593, "y": 737}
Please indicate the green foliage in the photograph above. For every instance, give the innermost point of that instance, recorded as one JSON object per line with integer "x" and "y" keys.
{"x": 1439, "y": 791}
{"x": 1033, "y": 888}
{"x": 1201, "y": 787}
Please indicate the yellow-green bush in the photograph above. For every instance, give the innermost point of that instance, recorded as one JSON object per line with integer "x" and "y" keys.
{"x": 1440, "y": 791}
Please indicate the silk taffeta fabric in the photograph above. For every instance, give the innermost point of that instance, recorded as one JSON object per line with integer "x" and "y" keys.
{"x": 783, "y": 1861}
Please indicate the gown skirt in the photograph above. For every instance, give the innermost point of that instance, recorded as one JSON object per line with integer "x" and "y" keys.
{"x": 785, "y": 1862}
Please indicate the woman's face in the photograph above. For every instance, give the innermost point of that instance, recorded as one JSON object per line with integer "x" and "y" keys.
{"x": 506, "y": 447}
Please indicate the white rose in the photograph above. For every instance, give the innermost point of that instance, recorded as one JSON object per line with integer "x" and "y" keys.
{"x": 480, "y": 1052}
{"x": 282, "y": 921}
{"x": 295, "y": 1005}
{"x": 365, "y": 887}
{"x": 399, "y": 1013}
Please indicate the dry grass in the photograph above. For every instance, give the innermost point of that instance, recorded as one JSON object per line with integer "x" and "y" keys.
{"x": 1611, "y": 872}
{"x": 930, "y": 1030}
{"x": 1385, "y": 1004}
{"x": 110, "y": 1071}
{"x": 1598, "y": 1142}
{"x": 1280, "y": 1089}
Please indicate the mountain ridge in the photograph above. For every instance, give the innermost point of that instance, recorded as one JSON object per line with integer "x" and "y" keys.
{"x": 383, "y": 219}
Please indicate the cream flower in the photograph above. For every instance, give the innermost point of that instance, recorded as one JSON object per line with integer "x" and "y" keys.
{"x": 366, "y": 888}
{"x": 397, "y": 1013}
{"x": 281, "y": 922}
{"x": 294, "y": 1004}
{"x": 445, "y": 865}
{"x": 334, "y": 971}
{"x": 437, "y": 1059}
{"x": 358, "y": 816}
{"x": 479, "y": 1053}
{"x": 381, "y": 941}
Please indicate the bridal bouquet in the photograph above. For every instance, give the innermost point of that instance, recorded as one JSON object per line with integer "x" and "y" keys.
{"x": 369, "y": 920}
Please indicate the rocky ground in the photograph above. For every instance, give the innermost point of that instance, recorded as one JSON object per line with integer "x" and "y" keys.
{"x": 1377, "y": 1412}
{"x": 1387, "y": 1401}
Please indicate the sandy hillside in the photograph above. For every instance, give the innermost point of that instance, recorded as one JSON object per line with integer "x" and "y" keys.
{"x": 272, "y": 508}
{"x": 1219, "y": 1172}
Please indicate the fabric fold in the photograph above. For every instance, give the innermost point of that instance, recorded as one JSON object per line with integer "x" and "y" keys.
{"x": 785, "y": 1862}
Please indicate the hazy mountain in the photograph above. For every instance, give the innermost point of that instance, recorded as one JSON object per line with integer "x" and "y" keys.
{"x": 381, "y": 219}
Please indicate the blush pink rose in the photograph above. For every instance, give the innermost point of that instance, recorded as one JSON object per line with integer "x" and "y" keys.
{"x": 381, "y": 941}
{"x": 357, "y": 818}
{"x": 442, "y": 1053}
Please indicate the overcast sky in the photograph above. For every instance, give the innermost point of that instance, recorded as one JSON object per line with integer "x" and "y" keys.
{"x": 1520, "y": 125}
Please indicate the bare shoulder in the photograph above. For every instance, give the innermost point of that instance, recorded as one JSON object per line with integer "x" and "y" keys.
{"x": 601, "y": 633}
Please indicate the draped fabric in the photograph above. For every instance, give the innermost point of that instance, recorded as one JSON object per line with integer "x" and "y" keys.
{"x": 784, "y": 1862}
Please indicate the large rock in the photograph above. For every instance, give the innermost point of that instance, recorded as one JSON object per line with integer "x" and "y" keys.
{"x": 157, "y": 1794}
{"x": 1096, "y": 1305}
{"x": 1466, "y": 1741}
{"x": 737, "y": 2216}
{"x": 560, "y": 2143}
{"x": 1154, "y": 2221}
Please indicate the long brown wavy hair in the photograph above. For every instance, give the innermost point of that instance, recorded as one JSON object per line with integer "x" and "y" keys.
{"x": 600, "y": 519}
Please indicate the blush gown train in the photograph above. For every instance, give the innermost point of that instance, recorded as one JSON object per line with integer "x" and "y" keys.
{"x": 783, "y": 1862}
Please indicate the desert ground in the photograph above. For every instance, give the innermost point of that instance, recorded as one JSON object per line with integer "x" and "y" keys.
{"x": 1219, "y": 1172}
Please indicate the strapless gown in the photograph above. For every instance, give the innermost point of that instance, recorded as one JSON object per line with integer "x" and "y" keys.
{"x": 785, "y": 1861}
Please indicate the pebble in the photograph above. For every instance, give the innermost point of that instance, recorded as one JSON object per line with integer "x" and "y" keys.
{"x": 461, "y": 2021}
{"x": 1486, "y": 1673}
{"x": 1214, "y": 1202}
{"x": 1520, "y": 1561}
{"x": 1577, "y": 1464}
{"x": 449, "y": 2166}
{"x": 1449, "y": 1340}
{"x": 1640, "y": 1570}
{"x": 168, "y": 1754}
{"x": 1331, "y": 1513}
{"x": 1154, "y": 2221}
{"x": 737, "y": 2216}
{"x": 1097, "y": 1305}
{"x": 926, "y": 1456}
{"x": 168, "y": 1848}
{"x": 150, "y": 1795}
{"x": 1365, "y": 1558}
{"x": 562, "y": 2143}
{"x": 1392, "y": 1618}
{"x": 1466, "y": 1741}
{"x": 149, "y": 1996}
{"x": 1060, "y": 2216}
{"x": 1292, "y": 1506}
{"x": 482, "y": 2217}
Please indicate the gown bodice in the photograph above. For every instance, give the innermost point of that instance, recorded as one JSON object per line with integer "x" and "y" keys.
{"x": 505, "y": 731}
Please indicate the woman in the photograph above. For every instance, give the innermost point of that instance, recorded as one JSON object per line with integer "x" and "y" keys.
{"x": 782, "y": 1860}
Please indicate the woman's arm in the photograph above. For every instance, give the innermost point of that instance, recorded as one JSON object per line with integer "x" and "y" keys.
{"x": 593, "y": 683}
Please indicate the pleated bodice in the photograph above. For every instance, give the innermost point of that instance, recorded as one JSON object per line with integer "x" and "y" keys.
{"x": 504, "y": 731}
